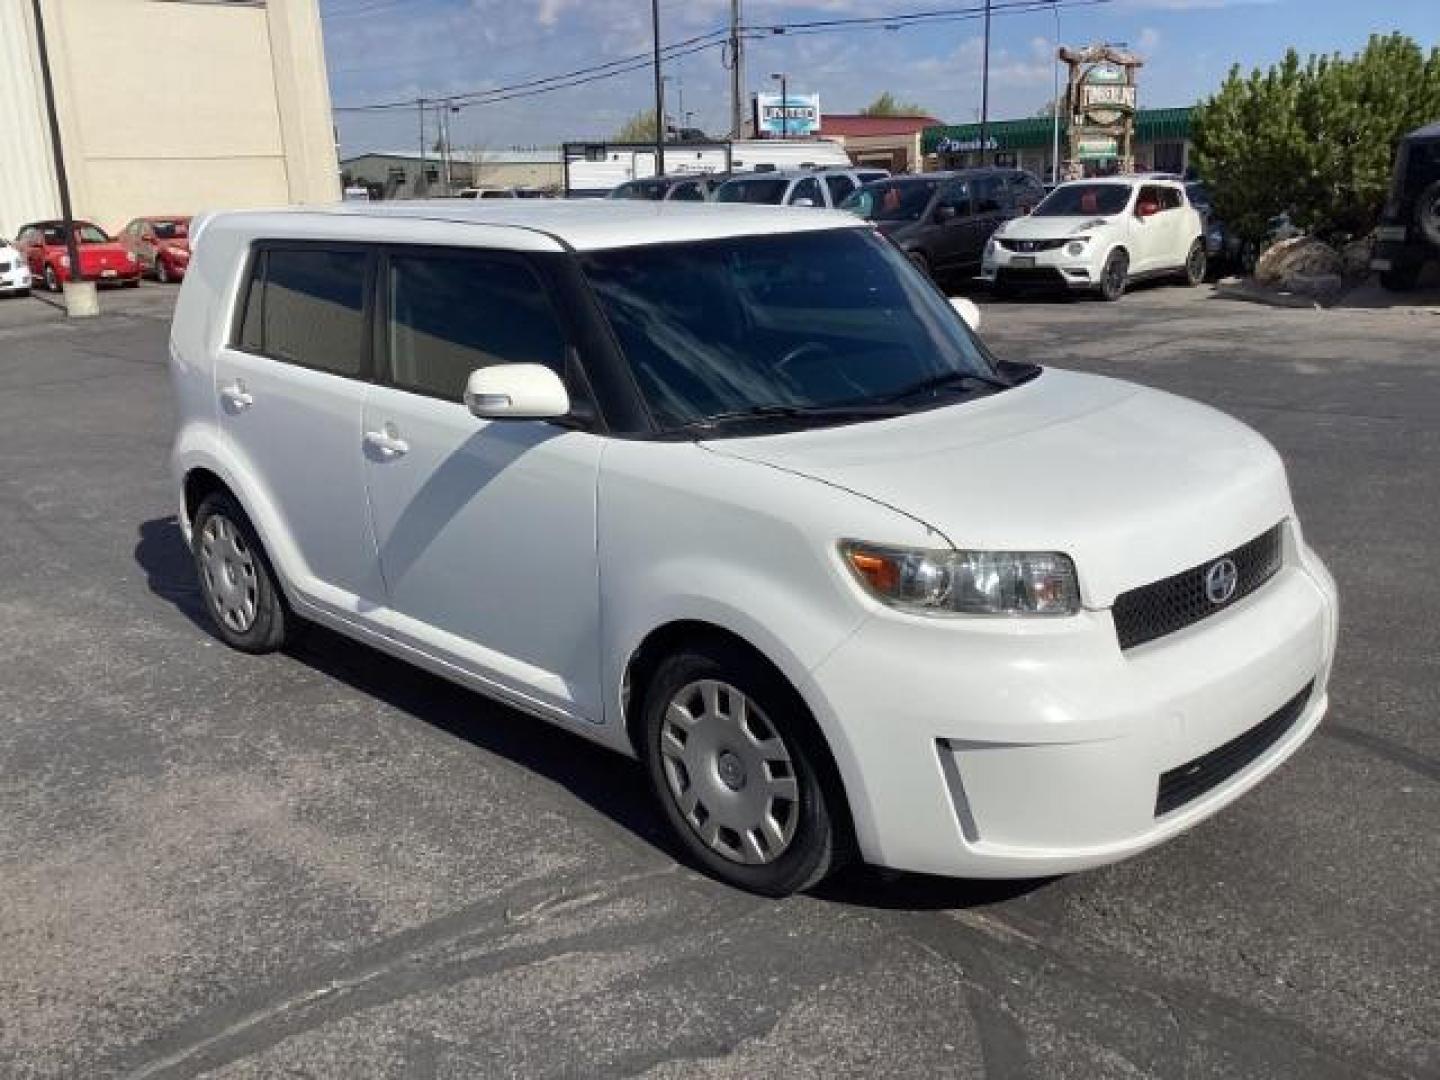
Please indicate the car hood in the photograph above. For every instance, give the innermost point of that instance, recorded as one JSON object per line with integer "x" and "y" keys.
{"x": 1051, "y": 228}
{"x": 1132, "y": 483}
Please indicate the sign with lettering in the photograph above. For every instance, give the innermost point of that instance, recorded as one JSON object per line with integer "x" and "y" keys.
{"x": 797, "y": 115}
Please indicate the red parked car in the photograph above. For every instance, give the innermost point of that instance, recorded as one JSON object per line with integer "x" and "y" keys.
{"x": 101, "y": 259}
{"x": 162, "y": 244}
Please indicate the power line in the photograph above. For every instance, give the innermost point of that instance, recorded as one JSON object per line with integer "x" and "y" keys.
{"x": 478, "y": 97}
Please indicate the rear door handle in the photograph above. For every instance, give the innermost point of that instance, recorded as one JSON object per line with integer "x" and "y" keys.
{"x": 237, "y": 396}
{"x": 387, "y": 442}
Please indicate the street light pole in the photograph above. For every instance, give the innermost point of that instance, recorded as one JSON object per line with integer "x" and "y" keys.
{"x": 659, "y": 92}
{"x": 1055, "y": 102}
{"x": 985, "y": 89}
{"x": 782, "y": 77}
{"x": 62, "y": 180}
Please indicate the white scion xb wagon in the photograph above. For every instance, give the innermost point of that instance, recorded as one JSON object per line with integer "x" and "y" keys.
{"x": 735, "y": 490}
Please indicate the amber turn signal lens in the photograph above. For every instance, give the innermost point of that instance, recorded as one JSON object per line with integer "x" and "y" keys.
{"x": 880, "y": 573}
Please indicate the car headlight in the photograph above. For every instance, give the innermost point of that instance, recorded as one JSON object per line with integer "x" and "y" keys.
{"x": 947, "y": 582}
{"x": 1077, "y": 246}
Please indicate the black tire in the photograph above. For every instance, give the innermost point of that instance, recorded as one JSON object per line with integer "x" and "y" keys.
{"x": 1115, "y": 276}
{"x": 1401, "y": 278}
{"x": 1196, "y": 265}
{"x": 819, "y": 842}
{"x": 1002, "y": 290}
{"x": 1427, "y": 213}
{"x": 52, "y": 279}
{"x": 134, "y": 283}
{"x": 268, "y": 629}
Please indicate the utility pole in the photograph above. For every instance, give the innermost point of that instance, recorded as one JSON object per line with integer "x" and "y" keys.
{"x": 737, "y": 74}
{"x": 659, "y": 92}
{"x": 985, "y": 90}
{"x": 420, "y": 179}
{"x": 62, "y": 180}
{"x": 783, "y": 77}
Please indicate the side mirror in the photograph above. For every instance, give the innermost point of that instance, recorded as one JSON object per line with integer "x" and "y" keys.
{"x": 968, "y": 311}
{"x": 516, "y": 392}
{"x": 802, "y": 202}
{"x": 1147, "y": 209}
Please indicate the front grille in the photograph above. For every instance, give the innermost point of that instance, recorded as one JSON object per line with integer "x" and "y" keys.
{"x": 1175, "y": 602}
{"x": 1029, "y": 275}
{"x": 1188, "y": 782}
{"x": 1030, "y": 245}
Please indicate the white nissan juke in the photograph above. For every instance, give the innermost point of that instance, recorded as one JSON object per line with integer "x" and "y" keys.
{"x": 1100, "y": 236}
{"x": 735, "y": 490}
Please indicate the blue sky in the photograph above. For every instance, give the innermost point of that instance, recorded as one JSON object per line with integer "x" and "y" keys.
{"x": 381, "y": 50}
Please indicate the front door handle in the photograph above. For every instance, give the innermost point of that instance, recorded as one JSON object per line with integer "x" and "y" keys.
{"x": 236, "y": 396}
{"x": 387, "y": 442}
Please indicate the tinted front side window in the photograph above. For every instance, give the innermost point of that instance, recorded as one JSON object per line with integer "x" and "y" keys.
{"x": 760, "y": 189}
{"x": 451, "y": 314}
{"x": 690, "y": 191}
{"x": 308, "y": 307}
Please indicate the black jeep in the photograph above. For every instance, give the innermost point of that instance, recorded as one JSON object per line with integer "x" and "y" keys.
{"x": 1409, "y": 229}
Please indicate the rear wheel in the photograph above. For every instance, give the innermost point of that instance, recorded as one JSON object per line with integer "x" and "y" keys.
{"x": 1115, "y": 276}
{"x": 1195, "y": 264}
{"x": 240, "y": 589}
{"x": 733, "y": 762}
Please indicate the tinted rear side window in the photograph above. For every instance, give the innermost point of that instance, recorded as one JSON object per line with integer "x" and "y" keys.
{"x": 451, "y": 314}
{"x": 840, "y": 186}
{"x": 307, "y": 307}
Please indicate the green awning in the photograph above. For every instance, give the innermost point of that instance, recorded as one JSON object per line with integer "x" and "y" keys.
{"x": 1036, "y": 132}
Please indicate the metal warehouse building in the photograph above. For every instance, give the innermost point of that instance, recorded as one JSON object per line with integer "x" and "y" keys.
{"x": 165, "y": 107}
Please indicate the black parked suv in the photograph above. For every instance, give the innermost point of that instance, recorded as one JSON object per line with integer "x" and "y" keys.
{"x": 941, "y": 220}
{"x": 1409, "y": 231}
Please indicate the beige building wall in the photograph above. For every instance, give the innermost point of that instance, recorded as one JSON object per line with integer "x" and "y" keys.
{"x": 175, "y": 106}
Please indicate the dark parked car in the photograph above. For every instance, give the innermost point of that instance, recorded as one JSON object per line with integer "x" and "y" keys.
{"x": 1222, "y": 247}
{"x": 680, "y": 188}
{"x": 1409, "y": 232}
{"x": 942, "y": 220}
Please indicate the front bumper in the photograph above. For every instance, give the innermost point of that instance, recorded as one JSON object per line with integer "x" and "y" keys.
{"x": 1021, "y": 748}
{"x": 16, "y": 279}
{"x": 1042, "y": 269}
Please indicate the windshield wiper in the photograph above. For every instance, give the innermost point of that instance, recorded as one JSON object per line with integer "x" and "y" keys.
{"x": 788, "y": 412}
{"x": 946, "y": 380}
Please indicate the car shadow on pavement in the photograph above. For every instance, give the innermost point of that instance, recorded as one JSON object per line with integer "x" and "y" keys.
{"x": 609, "y": 783}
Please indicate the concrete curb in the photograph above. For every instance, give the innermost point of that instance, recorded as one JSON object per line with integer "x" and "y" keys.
{"x": 1246, "y": 290}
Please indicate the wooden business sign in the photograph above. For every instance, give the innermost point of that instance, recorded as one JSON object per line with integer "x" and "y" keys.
{"x": 1100, "y": 102}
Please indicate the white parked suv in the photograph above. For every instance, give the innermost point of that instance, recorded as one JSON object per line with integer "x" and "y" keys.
{"x": 826, "y": 188}
{"x": 736, "y": 491}
{"x": 1100, "y": 235}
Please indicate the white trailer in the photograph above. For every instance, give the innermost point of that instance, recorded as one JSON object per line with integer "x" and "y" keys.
{"x": 595, "y": 168}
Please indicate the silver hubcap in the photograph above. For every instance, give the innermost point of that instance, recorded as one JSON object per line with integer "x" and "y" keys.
{"x": 228, "y": 570}
{"x": 729, "y": 773}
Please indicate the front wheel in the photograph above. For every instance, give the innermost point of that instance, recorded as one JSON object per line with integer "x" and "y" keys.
{"x": 735, "y": 767}
{"x": 1195, "y": 264}
{"x": 1115, "y": 276}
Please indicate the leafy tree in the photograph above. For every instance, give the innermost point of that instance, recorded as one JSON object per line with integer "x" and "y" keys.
{"x": 1316, "y": 140}
{"x": 639, "y": 128}
{"x": 888, "y": 105}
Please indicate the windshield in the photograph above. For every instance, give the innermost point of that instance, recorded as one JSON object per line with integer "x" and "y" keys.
{"x": 1083, "y": 200}
{"x": 170, "y": 230}
{"x": 756, "y": 189}
{"x": 894, "y": 200}
{"x": 798, "y": 320}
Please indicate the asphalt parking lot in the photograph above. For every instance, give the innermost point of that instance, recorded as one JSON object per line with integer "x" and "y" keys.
{"x": 325, "y": 864}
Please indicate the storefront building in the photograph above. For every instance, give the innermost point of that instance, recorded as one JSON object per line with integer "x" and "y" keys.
{"x": 887, "y": 142}
{"x": 1162, "y": 144}
{"x": 165, "y": 107}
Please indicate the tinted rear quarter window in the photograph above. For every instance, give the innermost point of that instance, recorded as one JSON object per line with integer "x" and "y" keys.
{"x": 307, "y": 307}
{"x": 840, "y": 186}
{"x": 450, "y": 314}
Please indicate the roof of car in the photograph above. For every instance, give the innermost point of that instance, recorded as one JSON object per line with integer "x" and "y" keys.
{"x": 1128, "y": 181}
{"x": 1424, "y": 134}
{"x": 581, "y": 224}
